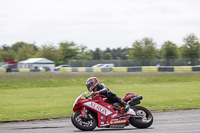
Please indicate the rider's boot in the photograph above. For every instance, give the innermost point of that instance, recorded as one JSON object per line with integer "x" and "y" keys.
{"x": 125, "y": 106}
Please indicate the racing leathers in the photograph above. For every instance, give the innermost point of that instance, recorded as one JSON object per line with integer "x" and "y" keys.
{"x": 102, "y": 89}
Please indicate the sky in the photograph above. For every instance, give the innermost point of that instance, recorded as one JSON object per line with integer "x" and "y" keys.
{"x": 98, "y": 23}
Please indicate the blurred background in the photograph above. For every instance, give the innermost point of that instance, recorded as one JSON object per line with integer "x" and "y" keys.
{"x": 85, "y": 33}
{"x": 151, "y": 48}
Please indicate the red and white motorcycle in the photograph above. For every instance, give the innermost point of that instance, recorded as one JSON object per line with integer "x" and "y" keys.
{"x": 99, "y": 111}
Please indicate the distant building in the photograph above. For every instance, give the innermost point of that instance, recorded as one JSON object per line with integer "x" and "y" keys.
{"x": 36, "y": 63}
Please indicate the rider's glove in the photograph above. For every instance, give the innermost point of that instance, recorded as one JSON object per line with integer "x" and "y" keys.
{"x": 123, "y": 103}
{"x": 95, "y": 94}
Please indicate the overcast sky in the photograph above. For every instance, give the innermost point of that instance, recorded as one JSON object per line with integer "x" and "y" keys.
{"x": 98, "y": 23}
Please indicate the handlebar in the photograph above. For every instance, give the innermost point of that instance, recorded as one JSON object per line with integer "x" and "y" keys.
{"x": 87, "y": 97}
{"x": 92, "y": 95}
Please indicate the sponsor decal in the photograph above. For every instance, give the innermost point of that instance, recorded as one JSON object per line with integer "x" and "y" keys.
{"x": 117, "y": 126}
{"x": 101, "y": 117}
{"x": 109, "y": 107}
{"x": 102, "y": 122}
{"x": 113, "y": 115}
{"x": 118, "y": 122}
{"x": 114, "y": 119}
{"x": 98, "y": 108}
{"x": 104, "y": 125}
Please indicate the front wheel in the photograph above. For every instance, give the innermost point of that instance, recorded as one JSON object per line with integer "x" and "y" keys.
{"x": 143, "y": 118}
{"x": 85, "y": 124}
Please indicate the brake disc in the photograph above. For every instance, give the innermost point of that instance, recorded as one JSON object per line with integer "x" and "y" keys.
{"x": 141, "y": 113}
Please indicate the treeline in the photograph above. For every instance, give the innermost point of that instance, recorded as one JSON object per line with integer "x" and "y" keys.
{"x": 145, "y": 48}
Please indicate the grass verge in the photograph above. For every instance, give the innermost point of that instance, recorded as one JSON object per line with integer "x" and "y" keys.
{"x": 25, "y": 96}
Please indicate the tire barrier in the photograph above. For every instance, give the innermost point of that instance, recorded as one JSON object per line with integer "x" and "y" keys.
{"x": 119, "y": 69}
{"x": 106, "y": 69}
{"x": 98, "y": 69}
{"x": 165, "y": 69}
{"x": 16, "y": 70}
{"x": 133, "y": 69}
{"x": 149, "y": 69}
{"x": 89, "y": 69}
{"x": 85, "y": 69}
{"x": 116, "y": 69}
{"x": 2, "y": 70}
{"x": 182, "y": 68}
{"x": 74, "y": 69}
{"x": 21, "y": 70}
{"x": 195, "y": 68}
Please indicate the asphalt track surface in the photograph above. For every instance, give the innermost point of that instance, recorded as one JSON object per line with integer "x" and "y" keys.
{"x": 187, "y": 121}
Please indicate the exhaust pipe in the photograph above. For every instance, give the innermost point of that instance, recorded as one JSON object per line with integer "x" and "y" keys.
{"x": 135, "y": 100}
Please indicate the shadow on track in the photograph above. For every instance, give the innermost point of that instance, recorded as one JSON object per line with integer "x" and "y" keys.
{"x": 112, "y": 129}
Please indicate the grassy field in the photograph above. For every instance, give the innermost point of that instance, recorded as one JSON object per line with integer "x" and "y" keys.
{"x": 51, "y": 95}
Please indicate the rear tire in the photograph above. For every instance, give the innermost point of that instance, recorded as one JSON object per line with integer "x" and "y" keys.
{"x": 144, "y": 118}
{"x": 84, "y": 124}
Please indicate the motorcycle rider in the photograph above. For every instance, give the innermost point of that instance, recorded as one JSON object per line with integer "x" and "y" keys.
{"x": 92, "y": 84}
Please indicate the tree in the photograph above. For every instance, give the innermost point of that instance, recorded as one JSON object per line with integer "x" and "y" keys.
{"x": 137, "y": 51}
{"x": 68, "y": 51}
{"x": 10, "y": 54}
{"x": 50, "y": 52}
{"x": 107, "y": 54}
{"x": 84, "y": 54}
{"x": 120, "y": 53}
{"x": 19, "y": 45}
{"x": 25, "y": 52}
{"x": 191, "y": 47}
{"x": 97, "y": 54}
{"x": 144, "y": 49}
{"x": 125, "y": 52}
{"x": 169, "y": 50}
{"x": 5, "y": 47}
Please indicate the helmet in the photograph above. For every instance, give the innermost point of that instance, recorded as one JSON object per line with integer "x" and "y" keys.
{"x": 91, "y": 83}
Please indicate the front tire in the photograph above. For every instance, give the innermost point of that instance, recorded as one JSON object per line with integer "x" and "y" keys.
{"x": 143, "y": 118}
{"x": 84, "y": 124}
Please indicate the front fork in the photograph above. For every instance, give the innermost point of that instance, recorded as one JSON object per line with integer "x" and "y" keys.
{"x": 84, "y": 112}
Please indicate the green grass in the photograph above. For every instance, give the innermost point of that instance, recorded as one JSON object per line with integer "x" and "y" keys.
{"x": 51, "y": 95}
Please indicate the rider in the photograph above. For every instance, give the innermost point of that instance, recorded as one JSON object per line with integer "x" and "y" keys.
{"x": 92, "y": 84}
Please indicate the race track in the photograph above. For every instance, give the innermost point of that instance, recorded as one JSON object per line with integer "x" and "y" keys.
{"x": 187, "y": 121}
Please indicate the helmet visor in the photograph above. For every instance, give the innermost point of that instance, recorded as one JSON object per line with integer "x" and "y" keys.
{"x": 89, "y": 86}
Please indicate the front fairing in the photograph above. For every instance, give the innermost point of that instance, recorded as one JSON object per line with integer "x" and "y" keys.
{"x": 79, "y": 97}
{"x": 106, "y": 116}
{"x": 78, "y": 103}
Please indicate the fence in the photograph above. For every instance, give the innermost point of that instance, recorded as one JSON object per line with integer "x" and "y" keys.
{"x": 137, "y": 62}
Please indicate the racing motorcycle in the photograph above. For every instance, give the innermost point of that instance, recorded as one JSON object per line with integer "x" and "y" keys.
{"x": 93, "y": 111}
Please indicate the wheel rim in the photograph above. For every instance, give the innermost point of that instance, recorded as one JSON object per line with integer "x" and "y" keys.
{"x": 143, "y": 115}
{"x": 86, "y": 122}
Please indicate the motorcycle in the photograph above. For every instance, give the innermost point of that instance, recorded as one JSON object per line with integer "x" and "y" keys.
{"x": 99, "y": 111}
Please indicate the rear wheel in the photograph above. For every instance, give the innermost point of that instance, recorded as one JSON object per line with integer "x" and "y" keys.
{"x": 86, "y": 124}
{"x": 143, "y": 118}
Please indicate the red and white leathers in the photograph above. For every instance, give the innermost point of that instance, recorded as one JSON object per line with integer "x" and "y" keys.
{"x": 102, "y": 89}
